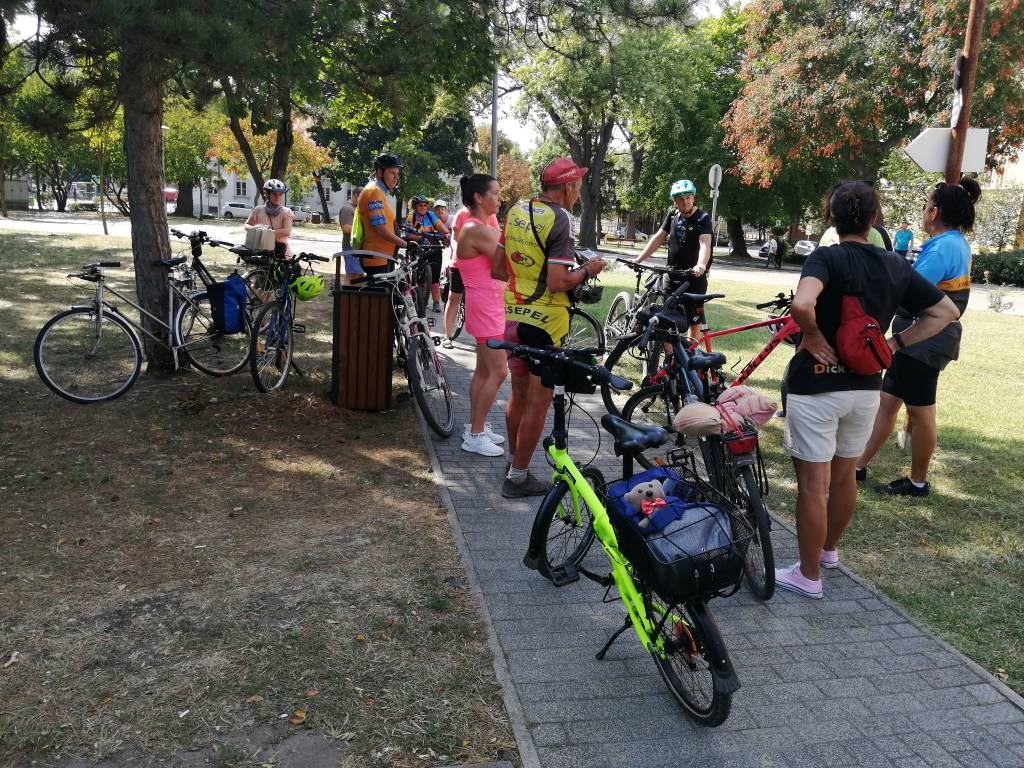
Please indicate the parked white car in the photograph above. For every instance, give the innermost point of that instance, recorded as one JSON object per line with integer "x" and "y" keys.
{"x": 804, "y": 247}
{"x": 302, "y": 213}
{"x": 236, "y": 210}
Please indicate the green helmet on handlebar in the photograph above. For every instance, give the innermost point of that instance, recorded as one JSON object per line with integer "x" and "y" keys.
{"x": 307, "y": 287}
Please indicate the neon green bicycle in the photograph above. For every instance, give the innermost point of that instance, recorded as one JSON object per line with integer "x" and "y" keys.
{"x": 665, "y": 597}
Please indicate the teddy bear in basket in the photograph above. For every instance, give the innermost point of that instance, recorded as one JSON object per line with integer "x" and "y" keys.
{"x": 646, "y": 498}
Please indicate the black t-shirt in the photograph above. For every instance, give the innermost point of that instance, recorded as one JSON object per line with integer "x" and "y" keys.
{"x": 684, "y": 236}
{"x": 887, "y": 281}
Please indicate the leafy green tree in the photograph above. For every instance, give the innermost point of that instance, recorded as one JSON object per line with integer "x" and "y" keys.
{"x": 186, "y": 143}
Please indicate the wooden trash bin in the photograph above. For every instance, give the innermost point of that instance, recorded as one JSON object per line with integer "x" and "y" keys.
{"x": 362, "y": 359}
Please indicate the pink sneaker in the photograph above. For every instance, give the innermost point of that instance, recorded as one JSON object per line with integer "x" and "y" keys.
{"x": 829, "y": 558}
{"x": 792, "y": 579}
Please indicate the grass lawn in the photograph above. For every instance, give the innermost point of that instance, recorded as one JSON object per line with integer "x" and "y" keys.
{"x": 954, "y": 560}
{"x": 196, "y": 563}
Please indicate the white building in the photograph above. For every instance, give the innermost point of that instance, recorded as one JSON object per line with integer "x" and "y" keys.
{"x": 243, "y": 189}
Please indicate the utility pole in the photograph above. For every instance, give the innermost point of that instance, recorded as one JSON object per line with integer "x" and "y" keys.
{"x": 964, "y": 72}
{"x": 494, "y": 123}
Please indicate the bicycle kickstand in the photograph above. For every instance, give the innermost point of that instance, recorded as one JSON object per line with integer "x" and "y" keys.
{"x": 626, "y": 625}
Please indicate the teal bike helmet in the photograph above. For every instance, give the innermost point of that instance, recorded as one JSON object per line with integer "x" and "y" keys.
{"x": 682, "y": 187}
{"x": 307, "y": 287}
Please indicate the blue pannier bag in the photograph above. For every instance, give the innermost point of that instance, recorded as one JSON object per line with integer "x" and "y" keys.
{"x": 227, "y": 303}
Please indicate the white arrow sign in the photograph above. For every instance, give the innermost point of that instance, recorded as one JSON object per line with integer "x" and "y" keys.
{"x": 930, "y": 150}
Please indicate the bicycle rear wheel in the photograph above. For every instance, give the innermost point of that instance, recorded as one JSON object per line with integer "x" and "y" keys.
{"x": 563, "y": 528}
{"x": 203, "y": 345}
{"x": 760, "y": 560}
{"x": 690, "y": 640}
{"x": 85, "y": 359}
{"x": 429, "y": 385}
{"x": 632, "y": 363}
{"x": 270, "y": 350}
{"x": 584, "y": 331}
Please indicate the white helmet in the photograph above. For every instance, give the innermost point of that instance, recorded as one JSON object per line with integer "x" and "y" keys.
{"x": 273, "y": 185}
{"x": 440, "y": 203}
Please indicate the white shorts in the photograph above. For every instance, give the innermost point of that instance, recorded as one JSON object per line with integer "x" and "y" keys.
{"x": 822, "y": 427}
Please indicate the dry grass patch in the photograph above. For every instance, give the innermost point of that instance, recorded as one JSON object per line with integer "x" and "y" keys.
{"x": 195, "y": 560}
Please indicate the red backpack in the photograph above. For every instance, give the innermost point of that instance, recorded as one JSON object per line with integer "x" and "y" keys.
{"x": 860, "y": 342}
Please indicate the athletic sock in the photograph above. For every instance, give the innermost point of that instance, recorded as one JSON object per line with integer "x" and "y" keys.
{"x": 516, "y": 475}
{"x": 917, "y": 484}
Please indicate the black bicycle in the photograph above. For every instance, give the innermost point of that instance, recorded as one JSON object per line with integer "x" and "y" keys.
{"x": 731, "y": 459}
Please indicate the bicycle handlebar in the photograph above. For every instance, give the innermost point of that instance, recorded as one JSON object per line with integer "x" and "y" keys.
{"x": 561, "y": 357}
{"x": 781, "y": 301}
{"x": 312, "y": 257}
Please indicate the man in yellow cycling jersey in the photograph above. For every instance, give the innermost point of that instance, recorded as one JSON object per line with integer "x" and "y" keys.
{"x": 536, "y": 255}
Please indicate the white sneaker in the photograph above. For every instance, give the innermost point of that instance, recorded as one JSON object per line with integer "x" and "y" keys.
{"x": 481, "y": 444}
{"x": 493, "y": 436}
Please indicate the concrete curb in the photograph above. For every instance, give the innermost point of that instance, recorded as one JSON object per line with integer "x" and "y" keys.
{"x": 528, "y": 755}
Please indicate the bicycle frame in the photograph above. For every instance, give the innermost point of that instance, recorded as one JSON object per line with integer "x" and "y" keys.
{"x": 99, "y": 303}
{"x": 565, "y": 469}
{"x": 787, "y": 325}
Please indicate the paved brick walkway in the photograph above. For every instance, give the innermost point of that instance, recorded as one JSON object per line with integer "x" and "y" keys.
{"x": 845, "y": 681}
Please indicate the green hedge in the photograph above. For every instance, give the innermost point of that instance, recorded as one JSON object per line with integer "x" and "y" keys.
{"x": 1003, "y": 267}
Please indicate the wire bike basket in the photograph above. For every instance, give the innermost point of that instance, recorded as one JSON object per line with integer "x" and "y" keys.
{"x": 693, "y": 547}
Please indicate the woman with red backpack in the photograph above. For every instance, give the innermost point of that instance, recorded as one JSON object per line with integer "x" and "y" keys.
{"x": 845, "y": 301}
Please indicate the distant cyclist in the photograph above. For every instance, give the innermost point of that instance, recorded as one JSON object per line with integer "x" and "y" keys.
{"x": 688, "y": 231}
{"x": 423, "y": 220}
{"x": 273, "y": 214}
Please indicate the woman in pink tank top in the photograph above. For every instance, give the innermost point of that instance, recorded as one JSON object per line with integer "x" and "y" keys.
{"x": 485, "y": 307}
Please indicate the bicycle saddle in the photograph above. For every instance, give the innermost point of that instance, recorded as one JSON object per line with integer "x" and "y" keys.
{"x": 699, "y": 298}
{"x": 629, "y": 438}
{"x": 681, "y": 321}
{"x": 701, "y": 361}
{"x": 173, "y": 262}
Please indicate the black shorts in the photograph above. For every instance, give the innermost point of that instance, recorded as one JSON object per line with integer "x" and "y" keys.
{"x": 434, "y": 260}
{"x": 911, "y": 381}
{"x": 694, "y": 311}
{"x": 455, "y": 281}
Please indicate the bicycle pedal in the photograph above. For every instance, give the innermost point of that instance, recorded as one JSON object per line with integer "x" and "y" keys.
{"x": 564, "y": 575}
{"x": 298, "y": 328}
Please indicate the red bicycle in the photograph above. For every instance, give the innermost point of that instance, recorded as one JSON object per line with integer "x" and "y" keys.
{"x": 628, "y": 353}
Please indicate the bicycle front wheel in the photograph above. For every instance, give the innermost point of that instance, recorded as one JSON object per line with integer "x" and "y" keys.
{"x": 270, "y": 351}
{"x": 760, "y": 560}
{"x": 563, "y": 529}
{"x": 203, "y": 345}
{"x": 259, "y": 289}
{"x": 690, "y": 638}
{"x": 85, "y": 358}
{"x": 429, "y": 385}
{"x": 460, "y": 318}
{"x": 615, "y": 322}
{"x": 584, "y": 331}
{"x": 655, "y": 406}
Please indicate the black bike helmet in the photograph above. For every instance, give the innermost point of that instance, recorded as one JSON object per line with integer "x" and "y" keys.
{"x": 386, "y": 160}
{"x": 417, "y": 199}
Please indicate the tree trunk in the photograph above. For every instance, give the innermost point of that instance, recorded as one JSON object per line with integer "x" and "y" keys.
{"x": 590, "y": 192}
{"x": 285, "y": 137}
{"x": 637, "y": 156}
{"x": 103, "y": 197}
{"x": 737, "y": 240}
{"x": 3, "y": 191}
{"x": 60, "y": 189}
{"x": 323, "y": 197}
{"x": 39, "y": 191}
{"x": 183, "y": 205}
{"x": 143, "y": 148}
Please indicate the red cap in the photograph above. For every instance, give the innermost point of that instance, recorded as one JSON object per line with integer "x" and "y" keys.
{"x": 561, "y": 170}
